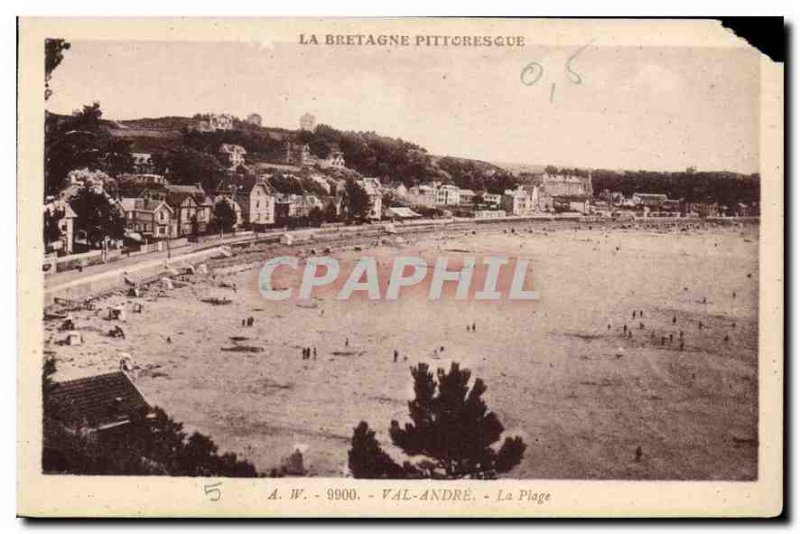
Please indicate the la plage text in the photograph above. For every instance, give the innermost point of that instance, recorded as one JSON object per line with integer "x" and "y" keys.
{"x": 399, "y": 40}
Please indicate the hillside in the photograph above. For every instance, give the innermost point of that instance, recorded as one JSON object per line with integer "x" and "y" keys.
{"x": 191, "y": 156}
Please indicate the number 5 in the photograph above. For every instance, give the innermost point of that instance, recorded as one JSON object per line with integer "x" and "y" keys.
{"x": 213, "y": 492}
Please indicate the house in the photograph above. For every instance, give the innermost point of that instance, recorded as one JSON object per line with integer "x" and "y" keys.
{"x": 142, "y": 185}
{"x": 422, "y": 196}
{"x": 372, "y": 186}
{"x": 184, "y": 207}
{"x": 99, "y": 403}
{"x": 335, "y": 159}
{"x": 63, "y": 217}
{"x": 566, "y": 187}
{"x": 299, "y": 155}
{"x": 448, "y": 195}
{"x": 515, "y": 202}
{"x": 467, "y": 197}
{"x": 211, "y": 122}
{"x": 520, "y": 201}
{"x": 572, "y": 204}
{"x": 703, "y": 209}
{"x": 203, "y": 206}
{"x": 232, "y": 155}
{"x": 653, "y": 201}
{"x": 257, "y": 200}
{"x": 153, "y": 219}
{"x": 492, "y": 199}
{"x": 291, "y": 207}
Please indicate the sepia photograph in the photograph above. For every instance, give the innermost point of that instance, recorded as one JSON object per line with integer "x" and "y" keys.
{"x": 467, "y": 259}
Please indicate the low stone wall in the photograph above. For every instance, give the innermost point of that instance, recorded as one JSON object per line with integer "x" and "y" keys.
{"x": 93, "y": 285}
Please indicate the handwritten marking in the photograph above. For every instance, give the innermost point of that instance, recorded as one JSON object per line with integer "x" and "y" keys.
{"x": 577, "y": 80}
{"x": 533, "y": 71}
{"x": 524, "y": 76}
{"x": 213, "y": 491}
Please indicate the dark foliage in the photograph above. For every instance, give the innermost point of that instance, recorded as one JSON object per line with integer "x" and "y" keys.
{"x": 358, "y": 202}
{"x": 477, "y": 176}
{"x": 451, "y": 427}
{"x": 258, "y": 143}
{"x": 81, "y": 141}
{"x": 53, "y": 56}
{"x": 726, "y": 188}
{"x": 97, "y": 217}
{"x": 188, "y": 166}
{"x": 224, "y": 216}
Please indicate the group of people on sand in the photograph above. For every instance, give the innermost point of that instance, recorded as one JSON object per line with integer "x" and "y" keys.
{"x": 248, "y": 322}
{"x": 309, "y": 353}
{"x": 668, "y": 339}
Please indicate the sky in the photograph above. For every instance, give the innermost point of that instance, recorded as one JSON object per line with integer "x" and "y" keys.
{"x": 652, "y": 108}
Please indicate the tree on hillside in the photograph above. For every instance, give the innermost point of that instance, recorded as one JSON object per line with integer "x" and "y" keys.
{"x": 97, "y": 217}
{"x": 224, "y": 215}
{"x": 329, "y": 213}
{"x": 187, "y": 166}
{"x": 81, "y": 141}
{"x": 53, "y": 56}
{"x": 316, "y": 217}
{"x": 451, "y": 428}
{"x": 358, "y": 202}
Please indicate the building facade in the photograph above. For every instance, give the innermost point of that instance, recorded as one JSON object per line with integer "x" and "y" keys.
{"x": 152, "y": 219}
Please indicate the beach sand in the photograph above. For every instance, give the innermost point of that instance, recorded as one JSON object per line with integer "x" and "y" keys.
{"x": 583, "y": 397}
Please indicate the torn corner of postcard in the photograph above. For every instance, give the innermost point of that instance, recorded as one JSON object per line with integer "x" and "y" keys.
{"x": 399, "y": 268}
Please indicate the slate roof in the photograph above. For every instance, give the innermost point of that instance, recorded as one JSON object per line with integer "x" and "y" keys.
{"x": 98, "y": 401}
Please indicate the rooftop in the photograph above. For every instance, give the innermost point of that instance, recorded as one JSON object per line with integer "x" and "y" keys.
{"x": 98, "y": 401}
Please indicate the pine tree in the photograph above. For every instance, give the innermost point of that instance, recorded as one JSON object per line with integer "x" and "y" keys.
{"x": 451, "y": 427}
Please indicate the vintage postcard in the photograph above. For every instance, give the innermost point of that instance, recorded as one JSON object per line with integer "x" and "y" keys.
{"x": 399, "y": 268}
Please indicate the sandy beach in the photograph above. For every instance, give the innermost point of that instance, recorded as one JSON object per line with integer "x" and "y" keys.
{"x": 560, "y": 371}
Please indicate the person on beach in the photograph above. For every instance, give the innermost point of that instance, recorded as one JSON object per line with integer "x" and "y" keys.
{"x": 624, "y": 329}
{"x": 315, "y": 353}
{"x": 674, "y": 319}
{"x": 396, "y": 354}
{"x": 700, "y": 325}
{"x": 681, "y": 346}
{"x": 347, "y": 342}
